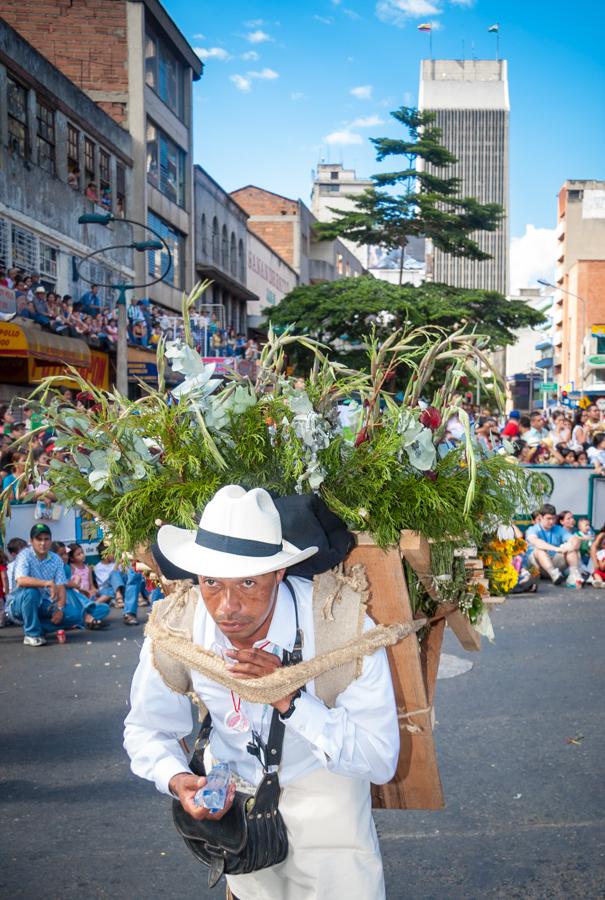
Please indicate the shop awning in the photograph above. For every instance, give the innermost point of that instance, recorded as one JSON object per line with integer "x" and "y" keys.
{"x": 29, "y": 341}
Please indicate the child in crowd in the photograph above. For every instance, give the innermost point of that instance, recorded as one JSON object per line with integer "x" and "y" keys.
{"x": 81, "y": 609}
{"x": 81, "y": 572}
{"x": 109, "y": 580}
{"x": 586, "y": 535}
{"x": 3, "y": 586}
{"x": 14, "y": 547}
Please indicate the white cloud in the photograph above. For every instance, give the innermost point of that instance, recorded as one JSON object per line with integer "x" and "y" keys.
{"x": 366, "y": 122}
{"x": 325, "y": 20}
{"x": 264, "y": 74}
{"x": 242, "y": 83}
{"x": 297, "y": 95}
{"x": 463, "y": 2}
{"x": 251, "y": 56}
{"x": 363, "y": 92}
{"x": 258, "y": 37}
{"x": 254, "y": 23}
{"x": 351, "y": 14}
{"x": 212, "y": 53}
{"x": 344, "y": 137}
{"x": 398, "y": 12}
{"x": 199, "y": 37}
{"x": 532, "y": 256}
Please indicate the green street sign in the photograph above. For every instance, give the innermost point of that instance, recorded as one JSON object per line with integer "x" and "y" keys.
{"x": 548, "y": 387}
{"x": 596, "y": 360}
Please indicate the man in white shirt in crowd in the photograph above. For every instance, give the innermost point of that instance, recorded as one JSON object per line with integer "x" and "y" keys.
{"x": 246, "y": 614}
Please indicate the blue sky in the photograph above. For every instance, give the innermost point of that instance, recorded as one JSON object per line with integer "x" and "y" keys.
{"x": 287, "y": 84}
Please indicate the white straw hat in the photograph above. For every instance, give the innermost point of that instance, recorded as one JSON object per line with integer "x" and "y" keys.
{"x": 239, "y": 536}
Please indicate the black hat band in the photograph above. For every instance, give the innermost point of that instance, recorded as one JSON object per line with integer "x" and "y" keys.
{"x": 223, "y": 543}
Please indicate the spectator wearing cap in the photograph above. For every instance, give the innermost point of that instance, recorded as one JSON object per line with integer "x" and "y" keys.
{"x": 38, "y": 599}
{"x": 42, "y": 316}
{"x": 511, "y": 429}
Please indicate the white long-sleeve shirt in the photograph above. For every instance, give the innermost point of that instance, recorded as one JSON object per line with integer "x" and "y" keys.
{"x": 358, "y": 738}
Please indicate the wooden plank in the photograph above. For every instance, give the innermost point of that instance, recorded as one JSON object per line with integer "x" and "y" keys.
{"x": 468, "y": 636}
{"x": 416, "y": 784}
{"x": 430, "y": 654}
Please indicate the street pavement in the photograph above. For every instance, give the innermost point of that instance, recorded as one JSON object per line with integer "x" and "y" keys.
{"x": 525, "y": 806}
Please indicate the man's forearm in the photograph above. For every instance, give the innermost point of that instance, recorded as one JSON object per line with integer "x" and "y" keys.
{"x": 29, "y": 582}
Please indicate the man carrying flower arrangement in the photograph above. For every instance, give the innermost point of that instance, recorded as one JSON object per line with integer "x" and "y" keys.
{"x": 554, "y": 549}
{"x": 247, "y": 613}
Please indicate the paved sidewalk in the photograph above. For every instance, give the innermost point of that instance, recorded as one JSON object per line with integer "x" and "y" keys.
{"x": 525, "y": 808}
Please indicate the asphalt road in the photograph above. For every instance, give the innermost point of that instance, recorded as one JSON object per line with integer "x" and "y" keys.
{"x": 525, "y": 808}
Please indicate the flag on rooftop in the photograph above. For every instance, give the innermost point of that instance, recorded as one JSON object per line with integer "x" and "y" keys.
{"x": 494, "y": 28}
{"x": 426, "y": 26}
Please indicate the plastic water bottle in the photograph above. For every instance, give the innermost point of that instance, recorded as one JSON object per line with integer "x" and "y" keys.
{"x": 214, "y": 793}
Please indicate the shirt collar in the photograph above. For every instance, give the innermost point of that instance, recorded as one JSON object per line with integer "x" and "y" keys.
{"x": 282, "y": 630}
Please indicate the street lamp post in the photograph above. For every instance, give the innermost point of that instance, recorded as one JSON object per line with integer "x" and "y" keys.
{"x": 556, "y": 287}
{"x": 140, "y": 247}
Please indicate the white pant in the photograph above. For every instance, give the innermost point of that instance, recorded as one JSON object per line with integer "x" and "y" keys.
{"x": 334, "y": 853}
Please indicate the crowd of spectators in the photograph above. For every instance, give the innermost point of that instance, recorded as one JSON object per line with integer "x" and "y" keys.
{"x": 94, "y": 320}
{"x": 572, "y": 438}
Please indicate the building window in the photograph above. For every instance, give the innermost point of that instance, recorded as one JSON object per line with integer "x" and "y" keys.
{"x": 600, "y": 345}
{"x": 46, "y": 137}
{"x": 164, "y": 74}
{"x": 105, "y": 179}
{"x": 339, "y": 263}
{"x": 4, "y": 244}
{"x": 120, "y": 209}
{"x": 18, "y": 137}
{"x": 165, "y": 165}
{"x": 90, "y": 168}
{"x": 204, "y": 236}
{"x": 241, "y": 261}
{"x": 157, "y": 258}
{"x": 233, "y": 255}
{"x": 25, "y": 250}
{"x": 48, "y": 261}
{"x": 329, "y": 188}
{"x": 215, "y": 241}
{"x": 225, "y": 249}
{"x": 73, "y": 157}
{"x": 334, "y": 176}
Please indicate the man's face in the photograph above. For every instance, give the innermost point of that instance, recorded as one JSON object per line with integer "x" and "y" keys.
{"x": 241, "y": 606}
{"x": 594, "y": 413}
{"x": 547, "y": 521}
{"x": 41, "y": 544}
{"x": 537, "y": 422}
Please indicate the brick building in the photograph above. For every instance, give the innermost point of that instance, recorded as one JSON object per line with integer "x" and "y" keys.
{"x": 287, "y": 227}
{"x": 579, "y": 307}
{"x": 132, "y": 60}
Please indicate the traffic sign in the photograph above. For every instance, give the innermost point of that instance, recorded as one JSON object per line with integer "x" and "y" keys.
{"x": 548, "y": 387}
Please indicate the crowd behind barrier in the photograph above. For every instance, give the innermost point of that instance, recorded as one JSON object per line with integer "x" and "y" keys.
{"x": 91, "y": 319}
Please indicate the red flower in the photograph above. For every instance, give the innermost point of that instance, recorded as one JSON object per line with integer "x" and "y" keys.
{"x": 361, "y": 437}
{"x": 430, "y": 418}
{"x": 431, "y": 475}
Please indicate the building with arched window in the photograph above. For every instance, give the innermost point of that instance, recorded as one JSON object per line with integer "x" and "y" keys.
{"x": 224, "y": 262}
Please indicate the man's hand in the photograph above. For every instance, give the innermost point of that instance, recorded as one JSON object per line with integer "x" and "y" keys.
{"x": 185, "y": 786}
{"x": 255, "y": 664}
{"x": 57, "y": 616}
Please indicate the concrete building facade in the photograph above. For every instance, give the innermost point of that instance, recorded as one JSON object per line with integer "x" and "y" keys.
{"x": 333, "y": 188}
{"x": 286, "y": 225}
{"x": 47, "y": 127}
{"x": 471, "y": 102}
{"x": 221, "y": 238}
{"x": 131, "y": 59}
{"x": 579, "y": 308}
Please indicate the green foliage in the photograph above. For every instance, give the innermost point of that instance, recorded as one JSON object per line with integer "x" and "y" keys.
{"x": 429, "y": 204}
{"x": 340, "y": 313}
{"x": 134, "y": 463}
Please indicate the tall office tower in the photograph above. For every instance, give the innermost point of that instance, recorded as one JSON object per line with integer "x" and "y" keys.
{"x": 470, "y": 98}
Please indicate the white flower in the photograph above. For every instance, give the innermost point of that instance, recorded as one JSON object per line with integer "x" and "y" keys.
{"x": 484, "y": 626}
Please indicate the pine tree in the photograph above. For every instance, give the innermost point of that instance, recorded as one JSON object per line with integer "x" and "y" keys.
{"x": 429, "y": 204}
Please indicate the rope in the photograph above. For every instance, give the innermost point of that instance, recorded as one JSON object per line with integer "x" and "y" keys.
{"x": 283, "y": 681}
{"x": 412, "y": 728}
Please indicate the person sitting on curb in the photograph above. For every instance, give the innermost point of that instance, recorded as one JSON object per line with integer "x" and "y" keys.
{"x": 84, "y": 610}
{"x": 554, "y": 549}
{"x": 38, "y": 600}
